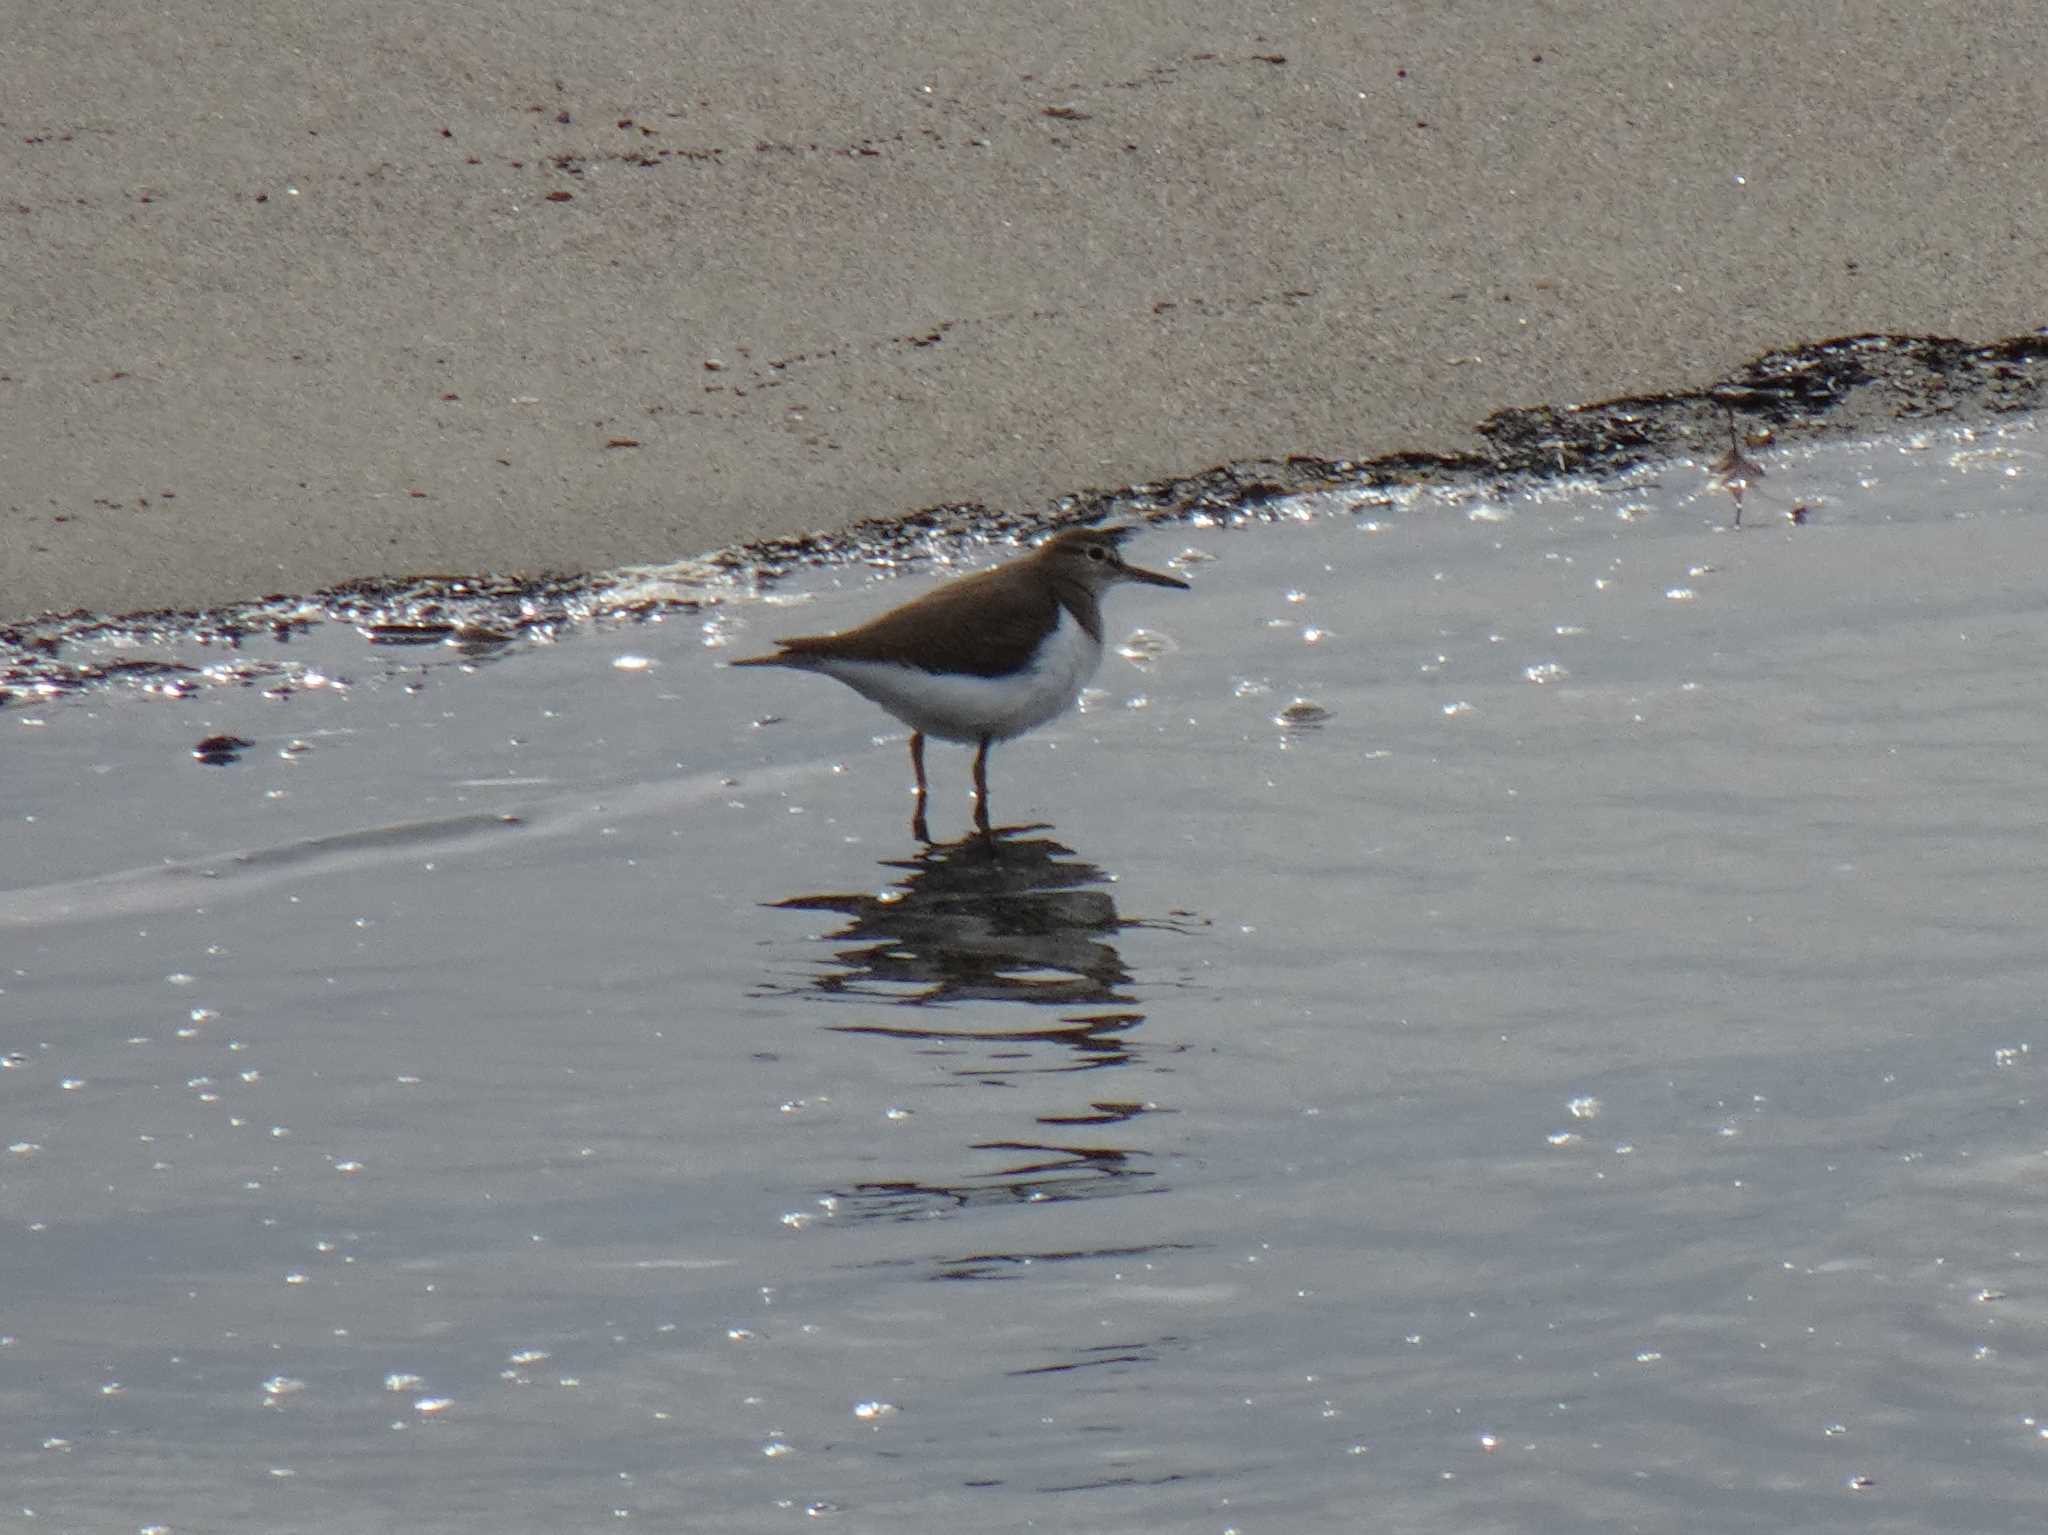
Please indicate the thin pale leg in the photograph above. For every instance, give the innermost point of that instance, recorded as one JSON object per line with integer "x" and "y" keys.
{"x": 981, "y": 792}
{"x": 918, "y": 829}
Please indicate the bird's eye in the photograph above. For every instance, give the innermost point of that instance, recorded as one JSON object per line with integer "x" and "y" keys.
{"x": 1097, "y": 552}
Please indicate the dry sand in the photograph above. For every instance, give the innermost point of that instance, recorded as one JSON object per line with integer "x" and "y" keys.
{"x": 294, "y": 295}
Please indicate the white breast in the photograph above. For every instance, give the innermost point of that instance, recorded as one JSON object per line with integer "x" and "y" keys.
{"x": 959, "y": 707}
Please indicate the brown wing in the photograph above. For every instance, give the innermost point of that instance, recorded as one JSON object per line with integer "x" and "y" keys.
{"x": 980, "y": 624}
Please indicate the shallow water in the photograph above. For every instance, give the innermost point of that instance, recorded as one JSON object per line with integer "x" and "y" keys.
{"x": 1505, "y": 1013}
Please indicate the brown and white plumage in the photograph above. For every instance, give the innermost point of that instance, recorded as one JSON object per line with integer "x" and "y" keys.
{"x": 984, "y": 658}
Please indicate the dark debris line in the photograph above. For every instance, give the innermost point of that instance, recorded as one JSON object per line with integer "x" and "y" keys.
{"x": 1849, "y": 386}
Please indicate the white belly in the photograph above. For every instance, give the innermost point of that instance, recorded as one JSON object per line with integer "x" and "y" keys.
{"x": 956, "y": 707}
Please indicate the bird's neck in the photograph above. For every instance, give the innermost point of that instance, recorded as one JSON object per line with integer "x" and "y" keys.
{"x": 1080, "y": 599}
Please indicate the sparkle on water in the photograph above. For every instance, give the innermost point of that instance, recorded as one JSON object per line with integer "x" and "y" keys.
{"x": 1363, "y": 1079}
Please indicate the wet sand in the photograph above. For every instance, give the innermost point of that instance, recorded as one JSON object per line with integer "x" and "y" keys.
{"x": 296, "y": 298}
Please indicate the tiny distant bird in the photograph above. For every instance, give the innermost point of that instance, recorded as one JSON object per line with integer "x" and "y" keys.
{"x": 983, "y": 658}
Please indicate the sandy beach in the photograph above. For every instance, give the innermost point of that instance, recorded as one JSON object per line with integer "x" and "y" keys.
{"x": 299, "y": 295}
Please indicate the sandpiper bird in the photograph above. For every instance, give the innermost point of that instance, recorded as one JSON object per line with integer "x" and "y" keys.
{"x": 983, "y": 658}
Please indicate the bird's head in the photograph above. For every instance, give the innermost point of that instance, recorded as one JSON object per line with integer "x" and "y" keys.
{"x": 1094, "y": 557}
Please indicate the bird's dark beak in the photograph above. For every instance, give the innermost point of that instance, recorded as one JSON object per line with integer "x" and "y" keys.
{"x": 1154, "y": 578}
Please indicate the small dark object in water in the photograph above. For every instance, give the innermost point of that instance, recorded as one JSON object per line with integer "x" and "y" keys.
{"x": 407, "y": 634}
{"x": 219, "y": 751}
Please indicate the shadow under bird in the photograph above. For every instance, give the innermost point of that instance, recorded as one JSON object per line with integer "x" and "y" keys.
{"x": 983, "y": 658}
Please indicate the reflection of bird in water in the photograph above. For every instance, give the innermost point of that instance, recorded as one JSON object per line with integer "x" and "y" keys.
{"x": 1037, "y": 926}
{"x": 1025, "y": 927}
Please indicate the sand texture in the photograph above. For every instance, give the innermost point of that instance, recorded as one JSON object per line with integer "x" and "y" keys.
{"x": 299, "y": 294}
